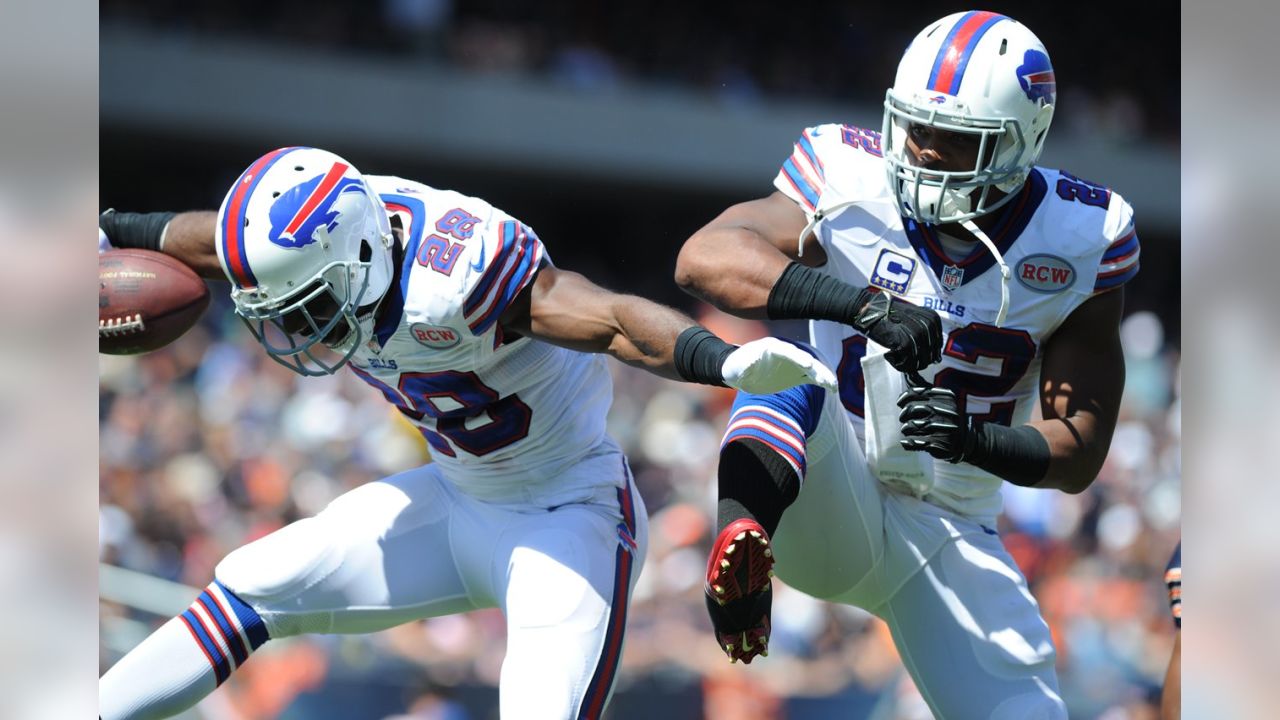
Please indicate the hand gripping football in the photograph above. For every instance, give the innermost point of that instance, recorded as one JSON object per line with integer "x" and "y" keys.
{"x": 146, "y": 300}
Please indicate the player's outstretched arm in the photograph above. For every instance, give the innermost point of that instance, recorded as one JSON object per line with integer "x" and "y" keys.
{"x": 744, "y": 262}
{"x": 566, "y": 309}
{"x": 1081, "y": 380}
{"x": 187, "y": 236}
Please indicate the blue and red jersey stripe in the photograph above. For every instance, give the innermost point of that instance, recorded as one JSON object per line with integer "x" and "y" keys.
{"x": 1119, "y": 263}
{"x": 957, "y": 48}
{"x": 1122, "y": 248}
{"x": 1115, "y": 278}
{"x": 510, "y": 268}
{"x": 806, "y": 147}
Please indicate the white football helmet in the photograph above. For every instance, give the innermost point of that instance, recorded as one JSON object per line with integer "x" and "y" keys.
{"x": 980, "y": 74}
{"x": 307, "y": 246}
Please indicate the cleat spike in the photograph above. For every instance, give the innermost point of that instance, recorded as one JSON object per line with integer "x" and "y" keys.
{"x": 733, "y": 660}
{"x": 764, "y": 541}
{"x": 719, "y": 589}
{"x": 724, "y": 564}
{"x": 768, "y": 552}
{"x": 729, "y": 550}
{"x": 740, "y": 536}
{"x": 755, "y": 534}
{"x": 770, "y": 573}
{"x": 764, "y": 652}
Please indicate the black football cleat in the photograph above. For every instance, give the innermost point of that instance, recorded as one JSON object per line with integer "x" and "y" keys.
{"x": 739, "y": 589}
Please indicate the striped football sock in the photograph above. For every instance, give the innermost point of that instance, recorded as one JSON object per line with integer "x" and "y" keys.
{"x": 183, "y": 661}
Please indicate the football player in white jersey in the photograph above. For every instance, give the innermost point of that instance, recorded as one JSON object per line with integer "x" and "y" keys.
{"x": 891, "y": 486}
{"x": 453, "y": 310}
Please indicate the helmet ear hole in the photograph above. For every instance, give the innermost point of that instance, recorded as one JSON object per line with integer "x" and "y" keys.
{"x": 366, "y": 251}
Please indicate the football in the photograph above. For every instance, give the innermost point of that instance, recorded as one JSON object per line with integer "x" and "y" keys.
{"x": 146, "y": 300}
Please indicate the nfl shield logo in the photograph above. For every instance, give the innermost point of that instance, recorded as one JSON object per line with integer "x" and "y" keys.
{"x": 952, "y": 276}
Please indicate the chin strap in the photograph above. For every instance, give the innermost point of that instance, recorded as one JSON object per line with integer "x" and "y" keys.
{"x": 818, "y": 216}
{"x": 1004, "y": 268}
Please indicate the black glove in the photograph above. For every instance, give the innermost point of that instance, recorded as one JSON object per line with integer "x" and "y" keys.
{"x": 933, "y": 421}
{"x": 912, "y": 334}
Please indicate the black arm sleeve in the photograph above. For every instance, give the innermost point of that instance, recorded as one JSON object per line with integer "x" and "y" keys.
{"x": 1019, "y": 455}
{"x": 700, "y": 355}
{"x": 804, "y": 293}
{"x": 135, "y": 230}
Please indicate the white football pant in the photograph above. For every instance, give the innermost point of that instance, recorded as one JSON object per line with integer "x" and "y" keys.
{"x": 967, "y": 628}
{"x": 414, "y": 546}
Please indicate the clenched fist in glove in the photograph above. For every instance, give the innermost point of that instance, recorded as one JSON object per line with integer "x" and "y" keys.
{"x": 933, "y": 421}
{"x": 912, "y": 334}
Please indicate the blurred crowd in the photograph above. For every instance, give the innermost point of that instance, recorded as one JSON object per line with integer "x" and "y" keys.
{"x": 743, "y": 53}
{"x": 207, "y": 445}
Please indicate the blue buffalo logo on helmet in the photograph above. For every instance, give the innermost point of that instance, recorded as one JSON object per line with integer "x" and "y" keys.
{"x": 302, "y": 210}
{"x": 1035, "y": 75}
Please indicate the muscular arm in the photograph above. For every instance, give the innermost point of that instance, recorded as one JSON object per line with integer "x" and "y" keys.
{"x": 735, "y": 260}
{"x": 1081, "y": 380}
{"x": 566, "y": 309}
{"x": 187, "y": 236}
{"x": 190, "y": 237}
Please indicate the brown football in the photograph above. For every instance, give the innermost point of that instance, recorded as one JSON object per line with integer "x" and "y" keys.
{"x": 146, "y": 300}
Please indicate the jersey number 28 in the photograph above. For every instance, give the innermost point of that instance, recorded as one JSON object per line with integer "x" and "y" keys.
{"x": 457, "y": 401}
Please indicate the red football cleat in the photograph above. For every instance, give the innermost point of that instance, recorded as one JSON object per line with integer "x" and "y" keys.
{"x": 739, "y": 589}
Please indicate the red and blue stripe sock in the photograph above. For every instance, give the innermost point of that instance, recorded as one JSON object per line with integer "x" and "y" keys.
{"x": 184, "y": 660}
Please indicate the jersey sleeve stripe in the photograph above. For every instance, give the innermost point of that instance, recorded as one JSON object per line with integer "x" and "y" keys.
{"x": 481, "y": 291}
{"x": 806, "y": 147}
{"x": 1115, "y": 278}
{"x": 510, "y": 288}
{"x": 807, "y": 191}
{"x": 1110, "y": 264}
{"x": 503, "y": 273}
{"x": 1114, "y": 266}
{"x": 1119, "y": 264}
{"x": 519, "y": 270}
{"x": 1120, "y": 248}
{"x": 811, "y": 175}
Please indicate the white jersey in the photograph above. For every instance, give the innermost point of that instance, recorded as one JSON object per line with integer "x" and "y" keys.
{"x": 1064, "y": 239}
{"x": 505, "y": 416}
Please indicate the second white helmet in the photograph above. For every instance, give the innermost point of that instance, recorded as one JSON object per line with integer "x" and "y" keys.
{"x": 976, "y": 73}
